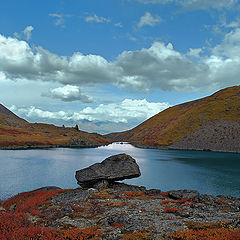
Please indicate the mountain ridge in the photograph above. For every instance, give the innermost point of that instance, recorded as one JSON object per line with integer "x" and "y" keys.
{"x": 9, "y": 118}
{"x": 16, "y": 132}
{"x": 181, "y": 126}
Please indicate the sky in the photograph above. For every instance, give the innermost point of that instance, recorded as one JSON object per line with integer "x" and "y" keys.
{"x": 108, "y": 65}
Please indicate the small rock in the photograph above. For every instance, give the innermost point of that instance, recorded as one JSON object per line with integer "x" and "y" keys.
{"x": 153, "y": 192}
{"x": 48, "y": 188}
{"x": 179, "y": 194}
{"x": 67, "y": 209}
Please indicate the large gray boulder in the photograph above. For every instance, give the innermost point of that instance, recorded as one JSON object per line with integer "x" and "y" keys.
{"x": 114, "y": 168}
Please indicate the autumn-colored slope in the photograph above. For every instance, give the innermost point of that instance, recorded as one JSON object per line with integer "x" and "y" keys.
{"x": 17, "y": 132}
{"x": 8, "y": 118}
{"x": 211, "y": 122}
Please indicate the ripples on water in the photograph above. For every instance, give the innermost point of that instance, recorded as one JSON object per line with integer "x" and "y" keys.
{"x": 208, "y": 172}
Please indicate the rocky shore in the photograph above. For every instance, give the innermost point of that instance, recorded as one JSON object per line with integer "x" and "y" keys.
{"x": 125, "y": 211}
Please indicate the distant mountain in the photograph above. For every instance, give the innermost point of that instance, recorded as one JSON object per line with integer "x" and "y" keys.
{"x": 210, "y": 123}
{"x": 17, "y": 132}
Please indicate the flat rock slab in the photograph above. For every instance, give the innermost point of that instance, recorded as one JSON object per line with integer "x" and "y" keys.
{"x": 114, "y": 168}
{"x": 75, "y": 195}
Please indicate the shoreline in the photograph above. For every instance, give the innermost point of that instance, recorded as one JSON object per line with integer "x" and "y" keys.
{"x": 137, "y": 145}
{"x": 51, "y": 146}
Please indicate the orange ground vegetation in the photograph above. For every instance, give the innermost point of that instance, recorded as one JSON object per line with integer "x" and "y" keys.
{"x": 15, "y": 132}
{"x": 175, "y": 123}
{"x": 136, "y": 236}
{"x": 44, "y": 134}
{"x": 172, "y": 210}
{"x": 15, "y": 223}
{"x": 16, "y": 215}
{"x": 209, "y": 234}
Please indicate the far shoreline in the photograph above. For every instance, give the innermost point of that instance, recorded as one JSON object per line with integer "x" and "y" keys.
{"x": 135, "y": 144}
{"x": 50, "y": 147}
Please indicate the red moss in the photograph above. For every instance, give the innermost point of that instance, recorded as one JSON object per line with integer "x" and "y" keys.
{"x": 136, "y": 236}
{"x": 209, "y": 234}
{"x": 134, "y": 194}
{"x": 165, "y": 194}
{"x": 16, "y": 226}
{"x": 117, "y": 225}
{"x": 15, "y": 223}
{"x": 166, "y": 201}
{"x": 183, "y": 200}
{"x": 29, "y": 202}
{"x": 172, "y": 210}
{"x": 81, "y": 234}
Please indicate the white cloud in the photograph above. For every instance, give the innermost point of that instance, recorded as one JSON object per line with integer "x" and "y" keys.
{"x": 225, "y": 24}
{"x": 156, "y": 1}
{"x": 206, "y": 4}
{"x": 148, "y": 20}
{"x": 3, "y": 77}
{"x": 194, "y": 52}
{"x": 33, "y": 112}
{"x": 124, "y": 112}
{"x": 118, "y": 25}
{"x": 59, "y": 18}
{"x": 28, "y": 32}
{"x": 160, "y": 66}
{"x": 196, "y": 4}
{"x": 19, "y": 61}
{"x": 25, "y": 34}
{"x": 68, "y": 93}
{"x": 97, "y": 19}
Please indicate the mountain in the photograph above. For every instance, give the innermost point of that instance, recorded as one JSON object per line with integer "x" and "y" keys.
{"x": 17, "y": 132}
{"x": 8, "y": 118}
{"x": 210, "y": 123}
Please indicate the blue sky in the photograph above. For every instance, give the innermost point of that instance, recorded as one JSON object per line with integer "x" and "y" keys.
{"x": 110, "y": 64}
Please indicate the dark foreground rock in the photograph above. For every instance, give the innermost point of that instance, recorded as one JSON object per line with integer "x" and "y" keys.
{"x": 114, "y": 168}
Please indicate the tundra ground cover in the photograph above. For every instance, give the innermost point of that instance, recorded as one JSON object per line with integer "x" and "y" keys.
{"x": 107, "y": 214}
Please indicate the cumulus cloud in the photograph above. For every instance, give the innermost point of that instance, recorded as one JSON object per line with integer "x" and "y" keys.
{"x": 97, "y": 19}
{"x": 196, "y": 4}
{"x": 159, "y": 66}
{"x": 25, "y": 34}
{"x": 148, "y": 20}
{"x": 124, "y": 112}
{"x": 19, "y": 61}
{"x": 68, "y": 93}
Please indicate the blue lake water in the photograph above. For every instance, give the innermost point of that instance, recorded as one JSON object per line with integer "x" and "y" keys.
{"x": 208, "y": 172}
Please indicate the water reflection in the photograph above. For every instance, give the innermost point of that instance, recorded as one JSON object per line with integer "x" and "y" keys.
{"x": 207, "y": 172}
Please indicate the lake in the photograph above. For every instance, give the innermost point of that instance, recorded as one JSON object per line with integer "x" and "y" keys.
{"x": 208, "y": 172}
